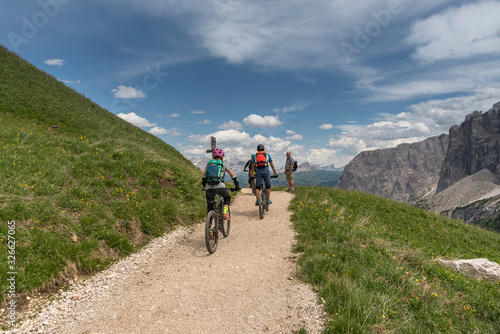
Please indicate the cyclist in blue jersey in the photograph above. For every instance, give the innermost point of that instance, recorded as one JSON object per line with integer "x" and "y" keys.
{"x": 260, "y": 164}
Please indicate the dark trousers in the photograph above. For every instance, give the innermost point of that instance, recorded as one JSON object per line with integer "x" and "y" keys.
{"x": 210, "y": 195}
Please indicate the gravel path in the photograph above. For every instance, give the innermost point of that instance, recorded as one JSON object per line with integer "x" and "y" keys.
{"x": 248, "y": 285}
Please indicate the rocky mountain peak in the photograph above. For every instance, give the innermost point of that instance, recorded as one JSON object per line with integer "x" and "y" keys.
{"x": 401, "y": 173}
{"x": 474, "y": 145}
{"x": 451, "y": 174}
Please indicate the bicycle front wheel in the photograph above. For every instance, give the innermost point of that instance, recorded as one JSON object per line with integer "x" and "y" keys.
{"x": 226, "y": 224}
{"x": 211, "y": 232}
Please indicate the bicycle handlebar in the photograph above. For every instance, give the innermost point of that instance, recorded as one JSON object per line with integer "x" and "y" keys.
{"x": 231, "y": 189}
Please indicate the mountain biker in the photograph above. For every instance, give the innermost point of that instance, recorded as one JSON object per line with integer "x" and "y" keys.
{"x": 288, "y": 171}
{"x": 251, "y": 174}
{"x": 213, "y": 189}
{"x": 260, "y": 164}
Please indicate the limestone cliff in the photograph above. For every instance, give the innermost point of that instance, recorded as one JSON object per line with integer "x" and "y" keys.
{"x": 474, "y": 146}
{"x": 403, "y": 173}
{"x": 457, "y": 174}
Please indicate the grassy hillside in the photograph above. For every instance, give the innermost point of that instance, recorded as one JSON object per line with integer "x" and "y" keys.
{"x": 372, "y": 260}
{"x": 83, "y": 186}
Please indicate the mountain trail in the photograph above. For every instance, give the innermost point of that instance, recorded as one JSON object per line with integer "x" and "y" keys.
{"x": 249, "y": 285}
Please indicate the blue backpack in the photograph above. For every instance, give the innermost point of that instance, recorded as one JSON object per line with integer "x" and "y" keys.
{"x": 214, "y": 172}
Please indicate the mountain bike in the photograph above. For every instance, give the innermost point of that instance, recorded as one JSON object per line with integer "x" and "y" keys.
{"x": 263, "y": 205}
{"x": 214, "y": 223}
{"x": 251, "y": 180}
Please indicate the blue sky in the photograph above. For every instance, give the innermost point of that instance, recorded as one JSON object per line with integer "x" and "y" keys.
{"x": 323, "y": 79}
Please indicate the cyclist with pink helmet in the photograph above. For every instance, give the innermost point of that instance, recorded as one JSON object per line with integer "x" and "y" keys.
{"x": 213, "y": 181}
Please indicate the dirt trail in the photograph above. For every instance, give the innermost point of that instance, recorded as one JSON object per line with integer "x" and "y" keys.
{"x": 248, "y": 285}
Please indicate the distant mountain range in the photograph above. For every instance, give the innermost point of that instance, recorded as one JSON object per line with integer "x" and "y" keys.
{"x": 237, "y": 164}
{"x": 306, "y": 174}
{"x": 455, "y": 174}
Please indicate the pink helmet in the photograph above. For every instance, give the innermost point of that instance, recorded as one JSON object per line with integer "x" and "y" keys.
{"x": 218, "y": 152}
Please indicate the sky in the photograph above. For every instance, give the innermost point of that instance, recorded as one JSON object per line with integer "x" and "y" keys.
{"x": 322, "y": 79}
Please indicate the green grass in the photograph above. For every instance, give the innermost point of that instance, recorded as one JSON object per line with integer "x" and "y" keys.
{"x": 84, "y": 187}
{"x": 372, "y": 260}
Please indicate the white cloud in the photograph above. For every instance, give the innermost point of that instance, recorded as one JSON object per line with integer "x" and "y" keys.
{"x": 225, "y": 137}
{"x": 55, "y": 62}
{"x": 290, "y": 132}
{"x": 198, "y": 151}
{"x": 175, "y": 115}
{"x": 325, "y": 156}
{"x": 69, "y": 82}
{"x": 206, "y": 121}
{"x": 197, "y": 112}
{"x": 235, "y": 125}
{"x": 473, "y": 78}
{"x": 391, "y": 130}
{"x": 447, "y": 112}
{"x": 136, "y": 120}
{"x": 308, "y": 36}
{"x": 158, "y": 131}
{"x": 351, "y": 146}
{"x": 459, "y": 32}
{"x": 293, "y": 107}
{"x": 383, "y": 134}
{"x": 427, "y": 86}
{"x": 123, "y": 92}
{"x": 162, "y": 131}
{"x": 421, "y": 121}
{"x": 257, "y": 121}
{"x": 294, "y": 137}
{"x": 242, "y": 144}
{"x": 325, "y": 126}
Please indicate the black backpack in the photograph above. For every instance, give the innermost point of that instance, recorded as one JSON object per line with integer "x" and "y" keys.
{"x": 295, "y": 166}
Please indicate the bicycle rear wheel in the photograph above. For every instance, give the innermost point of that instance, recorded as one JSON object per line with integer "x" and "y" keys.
{"x": 211, "y": 232}
{"x": 262, "y": 204}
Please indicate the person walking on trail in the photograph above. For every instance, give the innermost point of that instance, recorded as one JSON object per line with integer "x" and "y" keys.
{"x": 213, "y": 181}
{"x": 260, "y": 164}
{"x": 289, "y": 171}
